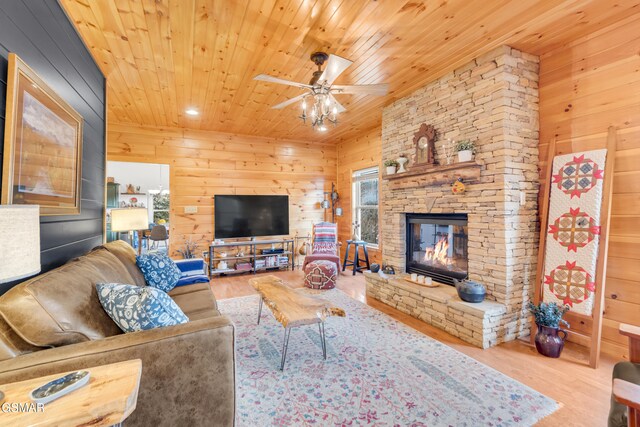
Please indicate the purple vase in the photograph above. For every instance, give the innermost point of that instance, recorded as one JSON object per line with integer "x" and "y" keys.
{"x": 548, "y": 342}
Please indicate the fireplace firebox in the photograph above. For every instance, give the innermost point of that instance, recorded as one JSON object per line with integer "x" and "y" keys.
{"x": 437, "y": 246}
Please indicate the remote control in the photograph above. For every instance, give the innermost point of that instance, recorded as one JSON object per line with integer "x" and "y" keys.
{"x": 59, "y": 387}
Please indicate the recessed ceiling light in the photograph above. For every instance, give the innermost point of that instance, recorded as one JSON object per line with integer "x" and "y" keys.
{"x": 192, "y": 111}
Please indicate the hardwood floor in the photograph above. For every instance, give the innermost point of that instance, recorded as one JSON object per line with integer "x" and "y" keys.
{"x": 583, "y": 393}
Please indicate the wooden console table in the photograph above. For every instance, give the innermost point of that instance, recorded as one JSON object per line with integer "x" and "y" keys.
{"x": 252, "y": 246}
{"x": 108, "y": 399}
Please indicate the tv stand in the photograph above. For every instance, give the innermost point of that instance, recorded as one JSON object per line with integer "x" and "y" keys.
{"x": 257, "y": 261}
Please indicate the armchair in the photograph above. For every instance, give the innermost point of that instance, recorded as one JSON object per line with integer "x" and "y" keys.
{"x": 325, "y": 244}
{"x": 625, "y": 398}
{"x": 193, "y": 271}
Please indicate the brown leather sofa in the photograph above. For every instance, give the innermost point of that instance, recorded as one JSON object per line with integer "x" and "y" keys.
{"x": 54, "y": 323}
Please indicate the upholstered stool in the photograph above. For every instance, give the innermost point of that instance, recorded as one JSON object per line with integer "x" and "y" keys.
{"x": 320, "y": 274}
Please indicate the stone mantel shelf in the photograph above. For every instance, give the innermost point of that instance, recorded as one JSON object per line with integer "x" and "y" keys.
{"x": 431, "y": 175}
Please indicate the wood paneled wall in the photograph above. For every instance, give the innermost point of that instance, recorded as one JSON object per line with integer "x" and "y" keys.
{"x": 358, "y": 153}
{"x": 585, "y": 87}
{"x": 204, "y": 163}
{"x": 40, "y": 33}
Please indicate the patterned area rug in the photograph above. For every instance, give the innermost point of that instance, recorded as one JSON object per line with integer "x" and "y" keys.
{"x": 378, "y": 372}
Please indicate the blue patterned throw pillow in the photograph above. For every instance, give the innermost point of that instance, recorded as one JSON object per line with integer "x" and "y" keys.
{"x": 159, "y": 271}
{"x": 137, "y": 308}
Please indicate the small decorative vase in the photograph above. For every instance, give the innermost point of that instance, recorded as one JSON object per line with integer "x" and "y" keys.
{"x": 401, "y": 161}
{"x": 391, "y": 170}
{"x": 470, "y": 291}
{"x": 374, "y": 268}
{"x": 548, "y": 342}
{"x": 303, "y": 249}
{"x": 465, "y": 156}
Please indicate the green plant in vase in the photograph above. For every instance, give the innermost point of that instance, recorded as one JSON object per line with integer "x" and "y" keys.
{"x": 548, "y": 317}
{"x": 465, "y": 149}
{"x": 391, "y": 166}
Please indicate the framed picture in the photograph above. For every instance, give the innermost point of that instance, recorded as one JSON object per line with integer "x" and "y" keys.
{"x": 42, "y": 145}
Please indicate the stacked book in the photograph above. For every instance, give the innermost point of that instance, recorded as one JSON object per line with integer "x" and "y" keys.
{"x": 243, "y": 266}
{"x": 271, "y": 261}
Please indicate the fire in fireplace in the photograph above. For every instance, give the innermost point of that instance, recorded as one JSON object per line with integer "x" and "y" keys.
{"x": 437, "y": 246}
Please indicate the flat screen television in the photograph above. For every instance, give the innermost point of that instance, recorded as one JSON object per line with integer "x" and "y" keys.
{"x": 251, "y": 216}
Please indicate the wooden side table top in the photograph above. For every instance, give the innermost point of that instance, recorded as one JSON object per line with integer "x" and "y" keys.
{"x": 290, "y": 307}
{"x": 109, "y": 398}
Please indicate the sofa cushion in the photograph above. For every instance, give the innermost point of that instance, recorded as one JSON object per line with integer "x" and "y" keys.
{"x": 11, "y": 345}
{"x": 134, "y": 308}
{"x": 127, "y": 256}
{"x": 196, "y": 301}
{"x": 61, "y": 306}
{"x": 159, "y": 271}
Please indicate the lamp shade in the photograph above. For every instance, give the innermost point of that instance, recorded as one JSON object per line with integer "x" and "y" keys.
{"x": 20, "y": 247}
{"x": 129, "y": 219}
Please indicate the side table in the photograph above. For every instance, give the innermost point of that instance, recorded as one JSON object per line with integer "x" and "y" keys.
{"x": 108, "y": 399}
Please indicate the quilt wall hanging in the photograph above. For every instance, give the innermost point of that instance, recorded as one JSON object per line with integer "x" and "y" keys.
{"x": 571, "y": 251}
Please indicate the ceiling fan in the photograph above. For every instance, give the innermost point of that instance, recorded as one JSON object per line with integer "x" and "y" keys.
{"x": 325, "y": 107}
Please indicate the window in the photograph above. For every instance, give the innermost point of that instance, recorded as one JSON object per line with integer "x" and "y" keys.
{"x": 160, "y": 207}
{"x": 365, "y": 205}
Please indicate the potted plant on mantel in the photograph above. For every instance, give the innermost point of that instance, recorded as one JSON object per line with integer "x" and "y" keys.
{"x": 391, "y": 166}
{"x": 548, "y": 318}
{"x": 466, "y": 150}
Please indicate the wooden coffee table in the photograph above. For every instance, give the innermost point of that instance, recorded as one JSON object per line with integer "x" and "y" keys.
{"x": 293, "y": 308}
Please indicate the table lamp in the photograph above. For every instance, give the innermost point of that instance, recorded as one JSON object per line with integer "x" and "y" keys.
{"x": 20, "y": 248}
{"x": 130, "y": 220}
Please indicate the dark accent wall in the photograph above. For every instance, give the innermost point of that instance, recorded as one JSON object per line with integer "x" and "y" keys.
{"x": 41, "y": 34}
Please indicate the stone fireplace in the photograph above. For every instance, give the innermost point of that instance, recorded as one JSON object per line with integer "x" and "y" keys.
{"x": 436, "y": 246}
{"x": 493, "y": 101}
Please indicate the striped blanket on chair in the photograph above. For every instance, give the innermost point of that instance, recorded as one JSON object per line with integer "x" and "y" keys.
{"x": 325, "y": 236}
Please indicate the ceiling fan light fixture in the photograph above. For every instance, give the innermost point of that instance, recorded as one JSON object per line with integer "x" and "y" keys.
{"x": 324, "y": 107}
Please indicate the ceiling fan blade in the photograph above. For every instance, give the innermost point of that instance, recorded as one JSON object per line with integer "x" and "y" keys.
{"x": 288, "y": 102}
{"x": 335, "y": 66}
{"x": 339, "y": 107}
{"x": 271, "y": 79}
{"x": 378, "y": 89}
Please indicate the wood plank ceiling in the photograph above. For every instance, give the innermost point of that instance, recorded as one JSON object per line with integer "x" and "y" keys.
{"x": 164, "y": 56}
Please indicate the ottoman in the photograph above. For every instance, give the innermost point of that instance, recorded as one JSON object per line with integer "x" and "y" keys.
{"x": 320, "y": 274}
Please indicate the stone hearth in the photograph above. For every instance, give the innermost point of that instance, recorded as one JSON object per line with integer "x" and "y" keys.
{"x": 478, "y": 324}
{"x": 494, "y": 102}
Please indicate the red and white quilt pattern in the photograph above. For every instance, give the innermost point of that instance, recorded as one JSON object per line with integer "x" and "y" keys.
{"x": 574, "y": 230}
